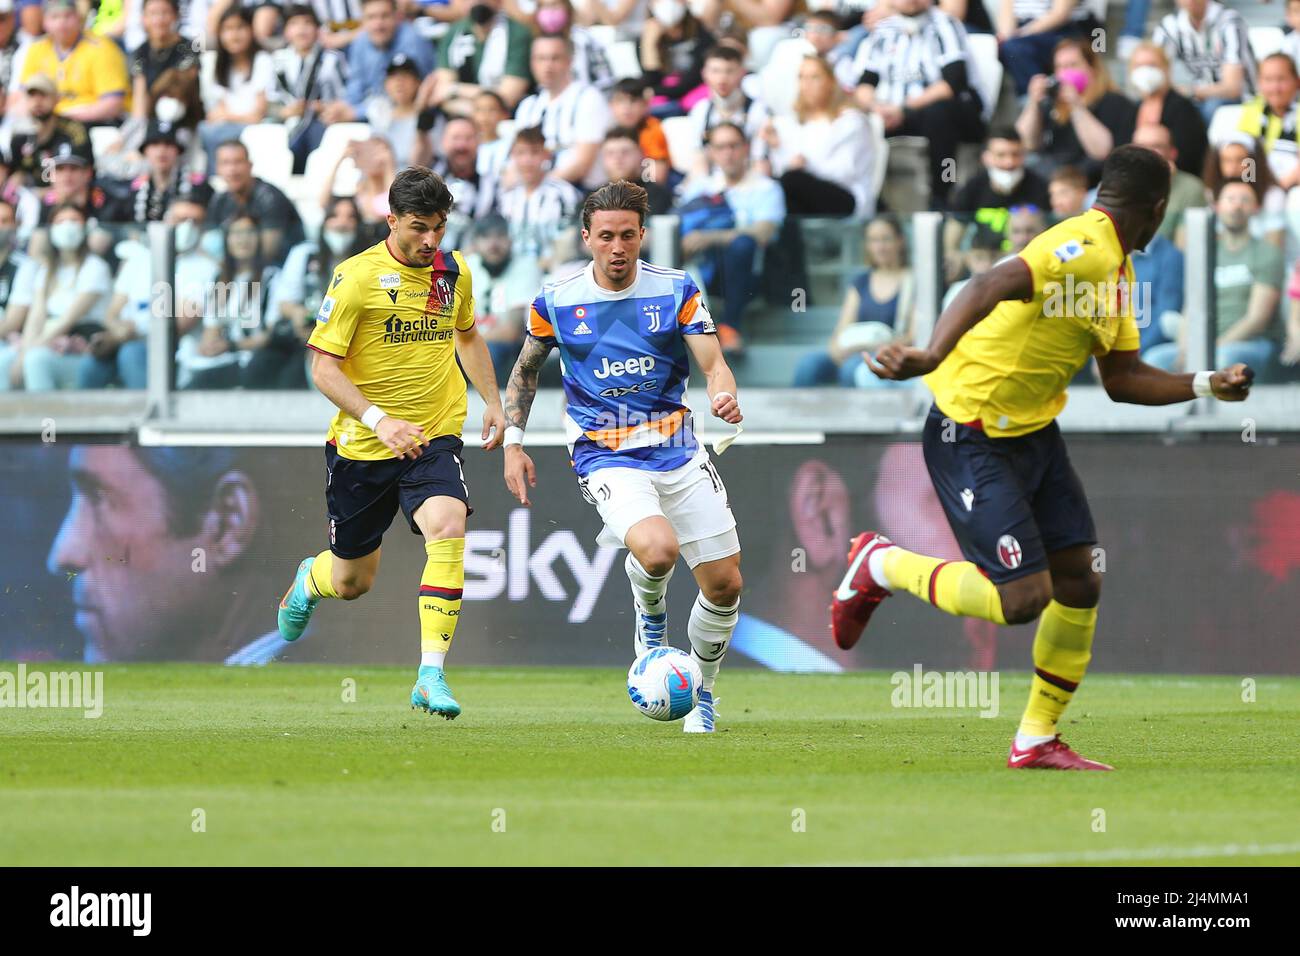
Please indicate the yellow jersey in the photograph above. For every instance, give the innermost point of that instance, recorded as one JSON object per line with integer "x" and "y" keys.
{"x": 95, "y": 68}
{"x": 1011, "y": 370}
{"x": 394, "y": 326}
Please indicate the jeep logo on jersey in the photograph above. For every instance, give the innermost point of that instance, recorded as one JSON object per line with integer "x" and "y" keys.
{"x": 1009, "y": 552}
{"x": 632, "y": 366}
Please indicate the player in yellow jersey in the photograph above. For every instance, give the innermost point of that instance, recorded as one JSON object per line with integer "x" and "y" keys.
{"x": 998, "y": 363}
{"x": 387, "y": 336}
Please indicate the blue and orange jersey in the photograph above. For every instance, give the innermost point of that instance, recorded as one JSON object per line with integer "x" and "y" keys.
{"x": 624, "y": 364}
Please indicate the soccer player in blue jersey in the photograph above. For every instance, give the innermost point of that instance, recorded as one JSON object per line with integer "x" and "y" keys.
{"x": 624, "y": 328}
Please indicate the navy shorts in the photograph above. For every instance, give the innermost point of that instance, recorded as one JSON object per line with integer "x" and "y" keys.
{"x": 1010, "y": 501}
{"x": 363, "y": 496}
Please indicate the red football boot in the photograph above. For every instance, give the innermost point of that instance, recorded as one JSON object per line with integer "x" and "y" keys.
{"x": 858, "y": 594}
{"x": 1055, "y": 754}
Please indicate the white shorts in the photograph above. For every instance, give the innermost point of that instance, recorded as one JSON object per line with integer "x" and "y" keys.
{"x": 692, "y": 498}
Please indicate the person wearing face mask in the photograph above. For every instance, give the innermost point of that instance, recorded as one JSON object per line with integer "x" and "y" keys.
{"x": 1160, "y": 104}
{"x": 485, "y": 50}
{"x": 118, "y": 354}
{"x": 1075, "y": 118}
{"x": 300, "y": 286}
{"x": 987, "y": 197}
{"x": 49, "y": 133}
{"x": 590, "y": 64}
{"x": 163, "y": 49}
{"x": 66, "y": 297}
{"x": 673, "y": 48}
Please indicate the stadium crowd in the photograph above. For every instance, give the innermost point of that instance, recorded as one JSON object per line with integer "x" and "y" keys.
{"x": 266, "y": 134}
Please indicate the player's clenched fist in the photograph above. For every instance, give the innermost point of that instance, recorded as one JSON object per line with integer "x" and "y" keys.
{"x": 897, "y": 362}
{"x": 520, "y": 473}
{"x": 402, "y": 438}
{"x": 727, "y": 407}
{"x": 1233, "y": 383}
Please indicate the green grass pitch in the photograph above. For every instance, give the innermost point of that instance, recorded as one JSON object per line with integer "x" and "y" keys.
{"x": 550, "y": 766}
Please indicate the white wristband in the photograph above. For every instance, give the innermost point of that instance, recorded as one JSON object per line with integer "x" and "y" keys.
{"x": 514, "y": 436}
{"x": 1201, "y": 385}
{"x": 372, "y": 416}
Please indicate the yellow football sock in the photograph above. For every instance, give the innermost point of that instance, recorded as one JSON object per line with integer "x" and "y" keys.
{"x": 320, "y": 579}
{"x": 440, "y": 591}
{"x": 1062, "y": 649}
{"x": 957, "y": 587}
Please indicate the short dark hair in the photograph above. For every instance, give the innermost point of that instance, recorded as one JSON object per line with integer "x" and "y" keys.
{"x": 188, "y": 476}
{"x": 174, "y": 4}
{"x": 722, "y": 52}
{"x": 419, "y": 191}
{"x": 232, "y": 142}
{"x": 1070, "y": 176}
{"x": 622, "y": 132}
{"x": 1279, "y": 55}
{"x": 301, "y": 10}
{"x": 615, "y": 197}
{"x": 1134, "y": 176}
{"x": 1003, "y": 131}
{"x": 562, "y": 37}
{"x": 1223, "y": 186}
{"x": 530, "y": 136}
{"x": 633, "y": 86}
{"x": 725, "y": 124}
{"x": 496, "y": 96}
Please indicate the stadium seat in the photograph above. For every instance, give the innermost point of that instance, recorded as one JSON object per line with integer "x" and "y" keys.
{"x": 683, "y": 144}
{"x": 624, "y": 60}
{"x": 268, "y": 147}
{"x": 1224, "y": 123}
{"x": 987, "y": 78}
{"x": 102, "y": 138}
{"x": 1265, "y": 41}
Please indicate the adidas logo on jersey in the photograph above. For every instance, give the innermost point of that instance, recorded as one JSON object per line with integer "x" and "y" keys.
{"x": 582, "y": 329}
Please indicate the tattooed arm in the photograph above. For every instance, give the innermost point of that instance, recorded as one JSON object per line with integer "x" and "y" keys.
{"x": 520, "y": 392}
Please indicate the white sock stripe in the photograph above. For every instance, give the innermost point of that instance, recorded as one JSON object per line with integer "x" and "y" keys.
{"x": 704, "y": 604}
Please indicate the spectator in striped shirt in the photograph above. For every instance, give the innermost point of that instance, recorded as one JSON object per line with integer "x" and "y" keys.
{"x": 1211, "y": 42}
{"x": 539, "y": 206}
{"x": 1029, "y": 30}
{"x": 310, "y": 83}
{"x": 916, "y": 74}
{"x": 573, "y": 116}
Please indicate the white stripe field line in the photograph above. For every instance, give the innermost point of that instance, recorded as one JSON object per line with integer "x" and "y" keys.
{"x": 1116, "y": 855}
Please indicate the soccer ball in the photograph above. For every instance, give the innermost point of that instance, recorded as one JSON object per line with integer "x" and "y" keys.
{"x": 664, "y": 683}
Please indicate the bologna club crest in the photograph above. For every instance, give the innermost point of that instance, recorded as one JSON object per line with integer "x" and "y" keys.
{"x": 1009, "y": 552}
{"x": 442, "y": 288}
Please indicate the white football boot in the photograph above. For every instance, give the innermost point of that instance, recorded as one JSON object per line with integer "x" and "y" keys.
{"x": 701, "y": 719}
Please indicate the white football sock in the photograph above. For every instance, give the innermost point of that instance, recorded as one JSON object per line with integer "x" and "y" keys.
{"x": 876, "y": 566}
{"x": 1025, "y": 741}
{"x": 649, "y": 590}
{"x": 709, "y": 629}
{"x": 432, "y": 658}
